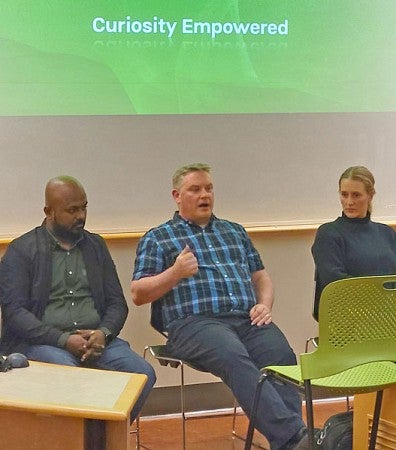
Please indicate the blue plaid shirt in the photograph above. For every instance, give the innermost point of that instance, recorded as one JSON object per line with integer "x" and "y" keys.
{"x": 226, "y": 260}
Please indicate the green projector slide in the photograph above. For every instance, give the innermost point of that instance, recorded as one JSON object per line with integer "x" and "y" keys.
{"x": 105, "y": 57}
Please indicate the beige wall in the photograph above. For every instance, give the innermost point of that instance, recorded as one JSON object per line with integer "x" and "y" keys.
{"x": 287, "y": 258}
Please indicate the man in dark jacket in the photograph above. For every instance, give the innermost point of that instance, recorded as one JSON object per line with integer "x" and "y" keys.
{"x": 61, "y": 298}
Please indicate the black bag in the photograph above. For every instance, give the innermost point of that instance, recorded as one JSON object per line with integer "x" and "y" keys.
{"x": 336, "y": 433}
{"x": 4, "y": 364}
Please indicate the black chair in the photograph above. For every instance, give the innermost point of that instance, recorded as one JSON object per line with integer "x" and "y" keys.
{"x": 162, "y": 354}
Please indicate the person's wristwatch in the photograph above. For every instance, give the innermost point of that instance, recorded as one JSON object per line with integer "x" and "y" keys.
{"x": 107, "y": 334}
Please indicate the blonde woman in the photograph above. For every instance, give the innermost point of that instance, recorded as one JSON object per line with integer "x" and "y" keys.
{"x": 353, "y": 245}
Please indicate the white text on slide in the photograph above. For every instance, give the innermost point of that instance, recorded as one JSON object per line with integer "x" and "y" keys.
{"x": 187, "y": 26}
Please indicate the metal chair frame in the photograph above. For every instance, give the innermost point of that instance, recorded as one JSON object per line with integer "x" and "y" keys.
{"x": 136, "y": 430}
{"x": 356, "y": 350}
{"x": 162, "y": 354}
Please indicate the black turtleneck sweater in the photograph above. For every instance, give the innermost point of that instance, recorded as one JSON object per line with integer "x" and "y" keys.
{"x": 352, "y": 248}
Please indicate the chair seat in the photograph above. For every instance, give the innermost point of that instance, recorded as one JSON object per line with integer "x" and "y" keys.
{"x": 360, "y": 379}
{"x": 164, "y": 356}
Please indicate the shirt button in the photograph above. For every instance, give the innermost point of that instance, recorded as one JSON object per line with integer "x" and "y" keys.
{"x": 75, "y": 323}
{"x": 70, "y": 292}
{"x": 231, "y": 294}
{"x": 72, "y": 304}
{"x": 70, "y": 272}
{"x": 225, "y": 276}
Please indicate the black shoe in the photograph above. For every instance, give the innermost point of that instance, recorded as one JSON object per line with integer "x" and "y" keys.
{"x": 300, "y": 440}
{"x": 295, "y": 441}
{"x": 302, "y": 444}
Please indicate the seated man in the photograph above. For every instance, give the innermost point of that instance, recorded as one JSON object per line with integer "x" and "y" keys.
{"x": 216, "y": 302}
{"x": 61, "y": 298}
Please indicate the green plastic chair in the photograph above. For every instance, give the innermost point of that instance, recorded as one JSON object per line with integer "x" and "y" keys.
{"x": 356, "y": 350}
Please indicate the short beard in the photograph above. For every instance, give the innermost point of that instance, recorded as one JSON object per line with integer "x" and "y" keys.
{"x": 65, "y": 234}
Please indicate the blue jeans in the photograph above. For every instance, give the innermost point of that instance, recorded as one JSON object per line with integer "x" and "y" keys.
{"x": 228, "y": 346}
{"x": 117, "y": 356}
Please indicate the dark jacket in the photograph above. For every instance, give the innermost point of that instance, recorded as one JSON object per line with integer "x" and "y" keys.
{"x": 25, "y": 282}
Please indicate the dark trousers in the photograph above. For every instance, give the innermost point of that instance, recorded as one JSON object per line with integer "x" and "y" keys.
{"x": 228, "y": 346}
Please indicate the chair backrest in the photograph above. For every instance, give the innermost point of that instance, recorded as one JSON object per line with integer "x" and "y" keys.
{"x": 156, "y": 320}
{"x": 316, "y": 297}
{"x": 357, "y": 325}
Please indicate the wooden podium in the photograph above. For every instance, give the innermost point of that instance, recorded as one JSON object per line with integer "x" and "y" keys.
{"x": 363, "y": 408}
{"x": 46, "y": 406}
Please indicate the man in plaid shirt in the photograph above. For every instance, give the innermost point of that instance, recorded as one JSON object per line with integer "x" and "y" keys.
{"x": 216, "y": 299}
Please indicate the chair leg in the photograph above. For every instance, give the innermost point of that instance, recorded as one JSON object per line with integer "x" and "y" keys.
{"x": 376, "y": 417}
{"x": 348, "y": 403}
{"x": 234, "y": 433}
{"x": 310, "y": 415}
{"x": 137, "y": 432}
{"x": 238, "y": 436}
{"x": 253, "y": 414}
{"x": 182, "y": 405}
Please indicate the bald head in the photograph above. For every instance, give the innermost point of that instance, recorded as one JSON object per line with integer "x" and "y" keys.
{"x": 57, "y": 187}
{"x": 65, "y": 208}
